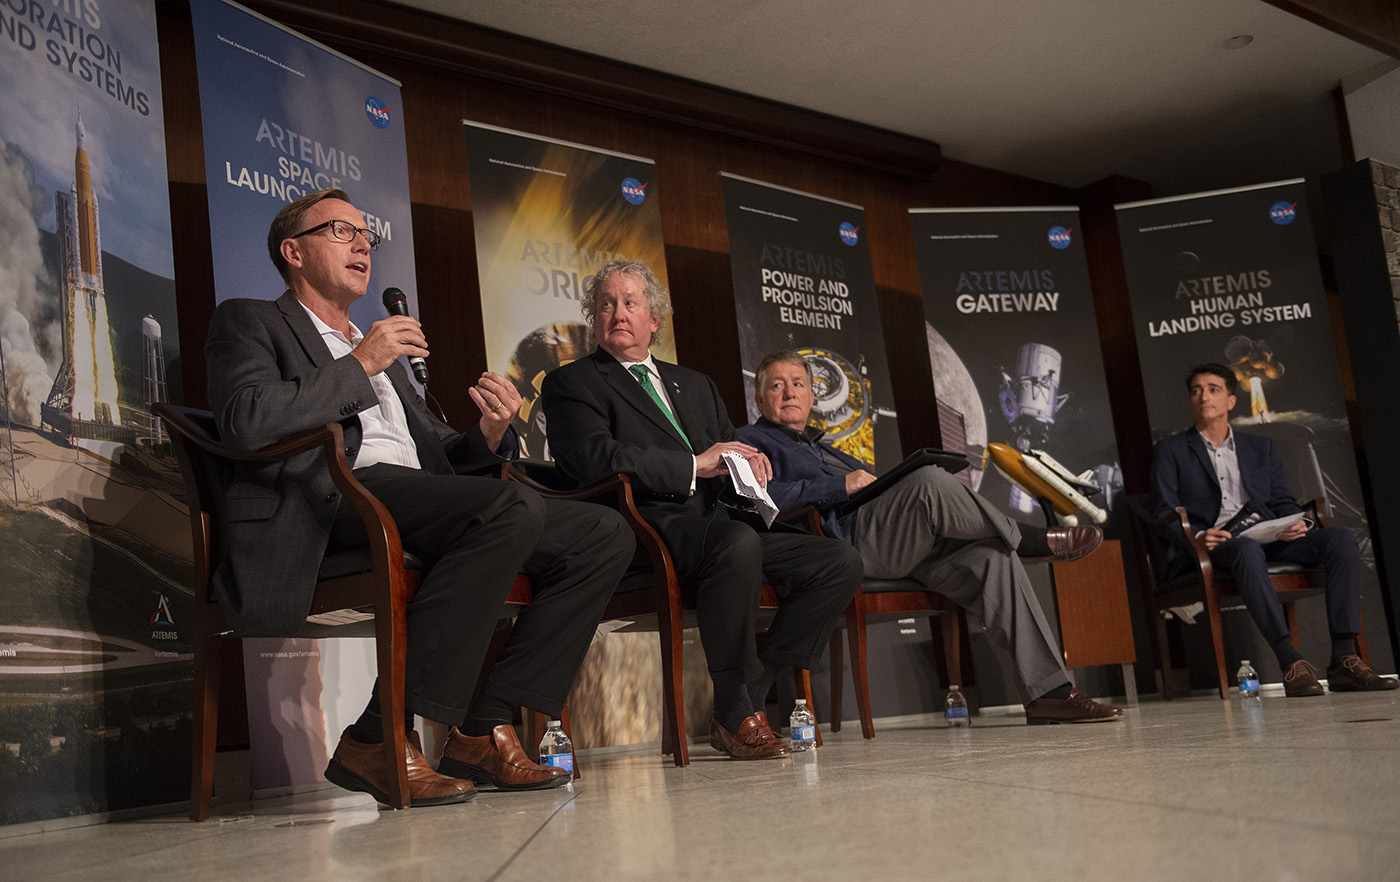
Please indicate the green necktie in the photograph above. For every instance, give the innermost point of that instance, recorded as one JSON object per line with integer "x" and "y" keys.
{"x": 644, "y": 377}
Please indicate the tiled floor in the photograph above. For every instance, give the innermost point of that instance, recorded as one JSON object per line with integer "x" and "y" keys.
{"x": 1198, "y": 789}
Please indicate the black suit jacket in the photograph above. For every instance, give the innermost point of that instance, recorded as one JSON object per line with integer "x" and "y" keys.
{"x": 270, "y": 376}
{"x": 601, "y": 422}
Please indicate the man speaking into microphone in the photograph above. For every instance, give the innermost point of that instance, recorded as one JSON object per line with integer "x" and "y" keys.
{"x": 285, "y": 366}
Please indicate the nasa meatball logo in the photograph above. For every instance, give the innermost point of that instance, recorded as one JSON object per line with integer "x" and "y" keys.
{"x": 1283, "y": 213}
{"x": 378, "y": 112}
{"x": 1059, "y": 237}
{"x": 849, "y": 233}
{"x": 634, "y": 191}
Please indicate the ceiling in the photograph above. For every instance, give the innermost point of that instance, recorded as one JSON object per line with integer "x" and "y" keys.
{"x": 1065, "y": 91}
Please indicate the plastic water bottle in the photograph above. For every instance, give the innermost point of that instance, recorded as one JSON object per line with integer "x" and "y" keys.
{"x": 956, "y": 712}
{"x": 1248, "y": 679}
{"x": 802, "y": 727}
{"x": 556, "y": 749}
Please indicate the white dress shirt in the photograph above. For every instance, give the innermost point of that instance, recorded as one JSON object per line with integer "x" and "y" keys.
{"x": 1227, "y": 472}
{"x": 386, "y": 436}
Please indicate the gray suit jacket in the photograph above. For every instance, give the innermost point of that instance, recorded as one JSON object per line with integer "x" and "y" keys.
{"x": 270, "y": 376}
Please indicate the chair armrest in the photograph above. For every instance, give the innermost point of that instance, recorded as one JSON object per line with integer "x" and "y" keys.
{"x": 386, "y": 549}
{"x": 1314, "y": 509}
{"x": 809, "y": 513}
{"x": 609, "y": 485}
{"x": 1166, "y": 525}
{"x": 1197, "y": 546}
{"x": 180, "y": 420}
{"x": 619, "y": 486}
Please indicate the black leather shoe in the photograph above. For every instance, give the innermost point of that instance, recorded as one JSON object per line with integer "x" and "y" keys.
{"x": 1350, "y": 674}
{"x": 1301, "y": 679}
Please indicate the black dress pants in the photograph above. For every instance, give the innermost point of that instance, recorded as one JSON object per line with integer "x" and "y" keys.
{"x": 475, "y": 534}
{"x": 814, "y": 578}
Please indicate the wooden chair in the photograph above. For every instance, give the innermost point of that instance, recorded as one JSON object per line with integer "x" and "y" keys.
{"x": 379, "y": 578}
{"x": 881, "y": 600}
{"x": 657, "y": 595}
{"x": 1163, "y": 588}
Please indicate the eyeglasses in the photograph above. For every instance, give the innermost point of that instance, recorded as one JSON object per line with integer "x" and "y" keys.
{"x": 343, "y": 231}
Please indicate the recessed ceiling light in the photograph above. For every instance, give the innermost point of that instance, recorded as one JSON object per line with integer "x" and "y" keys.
{"x": 1239, "y": 42}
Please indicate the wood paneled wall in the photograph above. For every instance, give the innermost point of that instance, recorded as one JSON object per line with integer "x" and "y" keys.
{"x": 452, "y": 71}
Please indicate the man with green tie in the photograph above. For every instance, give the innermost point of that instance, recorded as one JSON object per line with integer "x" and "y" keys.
{"x": 622, "y": 410}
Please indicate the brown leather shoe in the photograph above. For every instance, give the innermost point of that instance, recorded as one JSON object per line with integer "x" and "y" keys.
{"x": 360, "y": 767}
{"x": 754, "y": 740}
{"x": 1301, "y": 679}
{"x": 1072, "y": 543}
{"x": 497, "y": 759}
{"x": 1350, "y": 674}
{"x": 1064, "y": 543}
{"x": 1078, "y": 708}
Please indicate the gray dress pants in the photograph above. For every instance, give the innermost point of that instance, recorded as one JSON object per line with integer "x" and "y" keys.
{"x": 931, "y": 527}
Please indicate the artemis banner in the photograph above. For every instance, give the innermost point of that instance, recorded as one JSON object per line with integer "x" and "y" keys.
{"x": 1014, "y": 349}
{"x": 547, "y": 215}
{"x": 1231, "y": 276}
{"x": 803, "y": 280}
{"x": 285, "y": 116}
{"x": 95, "y": 603}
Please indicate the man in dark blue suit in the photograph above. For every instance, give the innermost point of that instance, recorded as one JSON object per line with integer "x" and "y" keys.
{"x": 929, "y": 527}
{"x": 1214, "y": 472}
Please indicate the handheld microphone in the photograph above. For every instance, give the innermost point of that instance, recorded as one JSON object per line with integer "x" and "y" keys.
{"x": 397, "y": 304}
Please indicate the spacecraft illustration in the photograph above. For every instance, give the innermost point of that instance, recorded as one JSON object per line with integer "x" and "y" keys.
{"x": 83, "y": 400}
{"x": 1253, "y": 362}
{"x": 1030, "y": 398}
{"x": 842, "y": 406}
{"x": 1055, "y": 487}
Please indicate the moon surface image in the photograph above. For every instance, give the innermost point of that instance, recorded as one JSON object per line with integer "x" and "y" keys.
{"x": 952, "y": 385}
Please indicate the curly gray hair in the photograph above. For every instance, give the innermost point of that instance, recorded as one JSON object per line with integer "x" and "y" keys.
{"x": 658, "y": 300}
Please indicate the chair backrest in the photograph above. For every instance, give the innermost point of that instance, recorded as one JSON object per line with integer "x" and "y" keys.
{"x": 195, "y": 434}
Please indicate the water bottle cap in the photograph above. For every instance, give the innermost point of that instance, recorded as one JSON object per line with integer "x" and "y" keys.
{"x": 954, "y": 688}
{"x": 1245, "y": 662}
{"x": 802, "y": 702}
